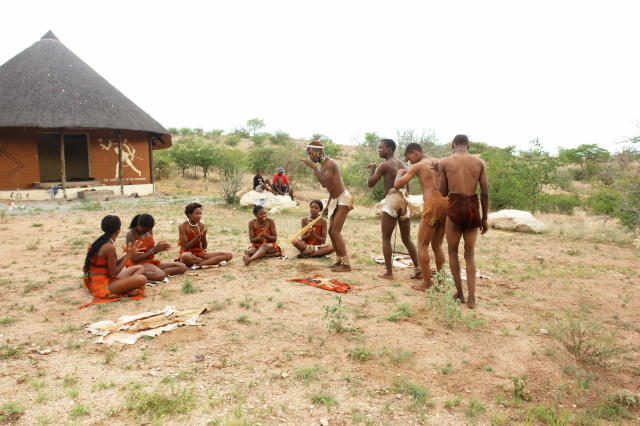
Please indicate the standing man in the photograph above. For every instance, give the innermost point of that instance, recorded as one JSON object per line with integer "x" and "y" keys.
{"x": 396, "y": 209}
{"x": 340, "y": 201}
{"x": 461, "y": 173}
{"x": 434, "y": 210}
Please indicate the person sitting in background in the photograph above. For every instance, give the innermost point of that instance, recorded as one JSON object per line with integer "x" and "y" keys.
{"x": 280, "y": 184}
{"x": 259, "y": 184}
{"x": 141, "y": 232}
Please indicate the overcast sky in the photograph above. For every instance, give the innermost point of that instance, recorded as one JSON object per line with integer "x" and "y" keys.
{"x": 503, "y": 72}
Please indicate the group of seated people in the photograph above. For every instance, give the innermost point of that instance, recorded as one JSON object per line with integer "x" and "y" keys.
{"x": 108, "y": 276}
{"x": 279, "y": 184}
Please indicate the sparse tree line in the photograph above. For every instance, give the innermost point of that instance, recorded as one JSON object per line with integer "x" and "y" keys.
{"x": 531, "y": 179}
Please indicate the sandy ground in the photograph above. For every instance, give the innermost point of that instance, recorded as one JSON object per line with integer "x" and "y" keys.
{"x": 264, "y": 350}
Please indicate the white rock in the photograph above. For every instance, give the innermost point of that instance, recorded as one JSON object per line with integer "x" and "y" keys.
{"x": 324, "y": 422}
{"x": 267, "y": 200}
{"x": 515, "y": 220}
{"x": 544, "y": 331}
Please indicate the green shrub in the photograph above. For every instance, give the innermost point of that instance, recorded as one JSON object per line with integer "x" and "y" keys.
{"x": 558, "y": 203}
{"x": 603, "y": 201}
{"x": 232, "y": 139}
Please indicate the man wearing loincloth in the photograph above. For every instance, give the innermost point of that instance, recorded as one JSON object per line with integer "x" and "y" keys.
{"x": 340, "y": 201}
{"x": 434, "y": 209}
{"x": 461, "y": 173}
{"x": 396, "y": 209}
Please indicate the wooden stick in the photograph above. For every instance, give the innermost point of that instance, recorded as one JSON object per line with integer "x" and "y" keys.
{"x": 305, "y": 229}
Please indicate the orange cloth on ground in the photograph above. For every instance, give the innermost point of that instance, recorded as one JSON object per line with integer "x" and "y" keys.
{"x": 266, "y": 230}
{"x": 196, "y": 250}
{"x": 324, "y": 283}
{"x": 97, "y": 282}
{"x": 145, "y": 244}
{"x": 464, "y": 211}
{"x": 318, "y": 231}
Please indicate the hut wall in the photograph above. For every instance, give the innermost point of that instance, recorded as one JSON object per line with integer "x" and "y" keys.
{"x": 20, "y": 166}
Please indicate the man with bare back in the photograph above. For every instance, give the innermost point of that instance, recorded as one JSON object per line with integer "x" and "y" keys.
{"x": 340, "y": 201}
{"x": 434, "y": 209}
{"x": 396, "y": 208}
{"x": 460, "y": 175}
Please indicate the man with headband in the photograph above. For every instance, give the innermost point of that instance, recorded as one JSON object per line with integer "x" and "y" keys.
{"x": 340, "y": 201}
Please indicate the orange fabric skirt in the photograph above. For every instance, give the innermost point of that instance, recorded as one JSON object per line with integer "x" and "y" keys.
{"x": 98, "y": 285}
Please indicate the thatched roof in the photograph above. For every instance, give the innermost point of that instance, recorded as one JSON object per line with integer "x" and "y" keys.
{"x": 48, "y": 86}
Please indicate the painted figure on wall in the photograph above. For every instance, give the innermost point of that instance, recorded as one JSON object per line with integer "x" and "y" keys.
{"x": 128, "y": 155}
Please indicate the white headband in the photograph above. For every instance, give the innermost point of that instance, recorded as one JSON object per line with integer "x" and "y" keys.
{"x": 315, "y": 147}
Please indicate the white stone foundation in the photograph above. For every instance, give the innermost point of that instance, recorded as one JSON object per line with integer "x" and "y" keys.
{"x": 72, "y": 193}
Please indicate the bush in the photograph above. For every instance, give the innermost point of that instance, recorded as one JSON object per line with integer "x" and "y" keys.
{"x": 230, "y": 188}
{"x": 258, "y": 139}
{"x": 603, "y": 202}
{"x": 280, "y": 138}
{"x": 558, "y": 203}
{"x": 232, "y": 139}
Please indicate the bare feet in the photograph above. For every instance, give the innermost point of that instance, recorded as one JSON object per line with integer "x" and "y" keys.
{"x": 246, "y": 259}
{"x": 417, "y": 275}
{"x": 302, "y": 256}
{"x": 134, "y": 292}
{"x": 421, "y": 287}
{"x": 471, "y": 304}
{"x": 335, "y": 265}
{"x": 459, "y": 297}
{"x": 341, "y": 268}
{"x": 386, "y": 275}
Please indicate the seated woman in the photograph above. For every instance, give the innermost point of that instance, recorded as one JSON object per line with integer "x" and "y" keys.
{"x": 193, "y": 240}
{"x": 105, "y": 276}
{"x": 312, "y": 243}
{"x": 263, "y": 237}
{"x": 141, "y": 233}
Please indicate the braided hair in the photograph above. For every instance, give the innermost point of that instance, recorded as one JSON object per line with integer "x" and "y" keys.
{"x": 144, "y": 219}
{"x": 109, "y": 225}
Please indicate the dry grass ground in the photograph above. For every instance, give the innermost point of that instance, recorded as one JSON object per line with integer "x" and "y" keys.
{"x": 266, "y": 355}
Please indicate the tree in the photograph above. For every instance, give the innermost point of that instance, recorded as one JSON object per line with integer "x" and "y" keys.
{"x": 255, "y": 124}
{"x": 205, "y": 155}
{"x": 587, "y": 156}
{"x": 182, "y": 153}
{"x": 161, "y": 162}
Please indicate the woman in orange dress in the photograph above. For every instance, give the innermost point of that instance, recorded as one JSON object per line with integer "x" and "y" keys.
{"x": 106, "y": 276}
{"x": 193, "y": 240}
{"x": 263, "y": 237}
{"x": 312, "y": 243}
{"x": 141, "y": 233}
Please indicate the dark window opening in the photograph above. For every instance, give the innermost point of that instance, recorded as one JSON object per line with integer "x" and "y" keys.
{"x": 76, "y": 157}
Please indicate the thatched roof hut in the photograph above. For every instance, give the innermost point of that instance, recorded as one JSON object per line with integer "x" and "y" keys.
{"x": 48, "y": 90}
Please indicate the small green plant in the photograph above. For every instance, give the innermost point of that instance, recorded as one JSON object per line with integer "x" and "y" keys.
{"x": 6, "y": 321}
{"x": 587, "y": 343}
{"x": 547, "y": 416}
{"x": 520, "y": 387}
{"x": 243, "y": 319}
{"x": 399, "y": 355}
{"x": 336, "y": 318}
{"x": 451, "y": 403}
{"x": 109, "y": 355}
{"x": 325, "y": 399}
{"x": 10, "y": 412}
{"x": 307, "y": 374}
{"x": 161, "y": 403}
{"x": 403, "y": 310}
{"x": 360, "y": 354}
{"x": 418, "y": 393}
{"x": 447, "y": 369}
{"x": 78, "y": 410}
{"x": 33, "y": 245}
{"x": 188, "y": 287}
{"x": 440, "y": 300}
{"x": 69, "y": 380}
{"x": 626, "y": 397}
{"x": 8, "y": 351}
{"x": 474, "y": 409}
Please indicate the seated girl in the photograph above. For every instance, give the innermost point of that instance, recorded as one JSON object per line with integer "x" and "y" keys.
{"x": 263, "y": 237}
{"x": 193, "y": 240}
{"x": 106, "y": 276}
{"x": 312, "y": 243}
{"x": 141, "y": 233}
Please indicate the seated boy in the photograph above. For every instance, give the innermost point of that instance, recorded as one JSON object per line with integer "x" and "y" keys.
{"x": 263, "y": 237}
{"x": 193, "y": 240}
{"x": 312, "y": 243}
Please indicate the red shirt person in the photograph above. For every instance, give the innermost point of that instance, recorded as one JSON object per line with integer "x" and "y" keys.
{"x": 280, "y": 183}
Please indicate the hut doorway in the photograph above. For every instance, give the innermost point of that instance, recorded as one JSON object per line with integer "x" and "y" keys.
{"x": 76, "y": 157}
